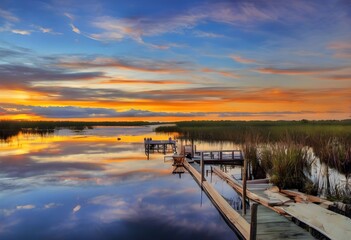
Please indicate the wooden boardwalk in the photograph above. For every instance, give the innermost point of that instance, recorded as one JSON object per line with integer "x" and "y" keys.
{"x": 270, "y": 224}
{"x": 234, "y": 157}
{"x": 316, "y": 218}
{"x": 233, "y": 218}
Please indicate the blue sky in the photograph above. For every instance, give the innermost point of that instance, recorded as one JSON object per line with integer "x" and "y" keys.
{"x": 173, "y": 60}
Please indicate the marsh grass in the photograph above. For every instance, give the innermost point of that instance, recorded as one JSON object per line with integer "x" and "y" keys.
{"x": 10, "y": 128}
{"x": 290, "y": 168}
{"x": 280, "y": 147}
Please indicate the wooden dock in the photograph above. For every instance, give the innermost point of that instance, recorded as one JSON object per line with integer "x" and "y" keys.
{"x": 317, "y": 218}
{"x": 271, "y": 225}
{"x": 233, "y": 218}
{"x": 160, "y": 146}
{"x": 234, "y": 157}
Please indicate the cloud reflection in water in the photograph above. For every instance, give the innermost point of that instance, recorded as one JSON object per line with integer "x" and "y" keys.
{"x": 89, "y": 186}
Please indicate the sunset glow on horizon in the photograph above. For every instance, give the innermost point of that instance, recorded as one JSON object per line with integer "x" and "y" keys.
{"x": 175, "y": 60}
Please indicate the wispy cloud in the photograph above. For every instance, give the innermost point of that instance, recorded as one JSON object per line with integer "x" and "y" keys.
{"x": 239, "y": 13}
{"x": 134, "y": 64}
{"x": 46, "y": 30}
{"x": 75, "y": 29}
{"x": 228, "y": 74}
{"x": 136, "y": 81}
{"x": 8, "y": 16}
{"x": 69, "y": 16}
{"x": 346, "y": 77}
{"x": 21, "y": 32}
{"x": 76, "y": 208}
{"x": 21, "y": 75}
{"x": 241, "y": 59}
{"x": 298, "y": 71}
{"x": 25, "y": 207}
{"x": 204, "y": 34}
{"x": 342, "y": 49}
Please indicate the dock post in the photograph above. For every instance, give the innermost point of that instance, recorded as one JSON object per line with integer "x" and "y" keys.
{"x": 253, "y": 225}
{"x": 244, "y": 186}
{"x": 202, "y": 168}
{"x": 192, "y": 148}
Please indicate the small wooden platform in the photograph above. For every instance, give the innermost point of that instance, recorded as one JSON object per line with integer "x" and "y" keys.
{"x": 161, "y": 146}
{"x": 233, "y": 157}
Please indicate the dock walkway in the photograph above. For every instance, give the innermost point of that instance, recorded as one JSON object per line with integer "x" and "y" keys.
{"x": 316, "y": 218}
{"x": 271, "y": 225}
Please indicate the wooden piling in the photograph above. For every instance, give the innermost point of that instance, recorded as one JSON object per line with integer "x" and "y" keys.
{"x": 253, "y": 224}
{"x": 202, "y": 165}
{"x": 244, "y": 186}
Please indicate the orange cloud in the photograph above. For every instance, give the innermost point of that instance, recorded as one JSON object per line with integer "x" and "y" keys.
{"x": 296, "y": 71}
{"x": 242, "y": 59}
{"x": 223, "y": 73}
{"x": 342, "y": 49}
{"x": 135, "y": 81}
{"x": 338, "y": 77}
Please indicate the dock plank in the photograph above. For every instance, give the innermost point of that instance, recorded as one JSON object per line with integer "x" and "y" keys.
{"x": 330, "y": 224}
{"x": 271, "y": 225}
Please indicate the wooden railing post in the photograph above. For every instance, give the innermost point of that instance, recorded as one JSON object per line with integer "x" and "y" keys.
{"x": 253, "y": 225}
{"x": 202, "y": 168}
{"x": 244, "y": 187}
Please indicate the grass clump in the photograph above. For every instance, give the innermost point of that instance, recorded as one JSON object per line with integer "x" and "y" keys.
{"x": 290, "y": 168}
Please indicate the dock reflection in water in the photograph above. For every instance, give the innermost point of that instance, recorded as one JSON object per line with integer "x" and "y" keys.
{"x": 88, "y": 185}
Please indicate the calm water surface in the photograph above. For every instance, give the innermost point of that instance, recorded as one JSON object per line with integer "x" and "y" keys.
{"x": 88, "y": 185}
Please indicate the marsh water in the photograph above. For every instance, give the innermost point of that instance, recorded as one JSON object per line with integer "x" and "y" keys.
{"x": 89, "y": 185}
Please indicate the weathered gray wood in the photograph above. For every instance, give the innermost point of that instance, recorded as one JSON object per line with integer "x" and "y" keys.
{"x": 233, "y": 218}
{"x": 271, "y": 225}
{"x": 330, "y": 224}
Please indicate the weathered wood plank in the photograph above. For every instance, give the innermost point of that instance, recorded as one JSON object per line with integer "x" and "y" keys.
{"x": 306, "y": 197}
{"x": 271, "y": 225}
{"x": 255, "y": 197}
{"x": 330, "y": 224}
{"x": 234, "y": 218}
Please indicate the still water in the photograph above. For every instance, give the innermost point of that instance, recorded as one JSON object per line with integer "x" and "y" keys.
{"x": 89, "y": 185}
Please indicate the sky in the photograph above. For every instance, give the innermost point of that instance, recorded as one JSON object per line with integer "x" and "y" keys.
{"x": 155, "y": 60}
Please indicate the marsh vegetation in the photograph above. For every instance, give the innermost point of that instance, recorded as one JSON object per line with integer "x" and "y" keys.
{"x": 9, "y": 128}
{"x": 286, "y": 151}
